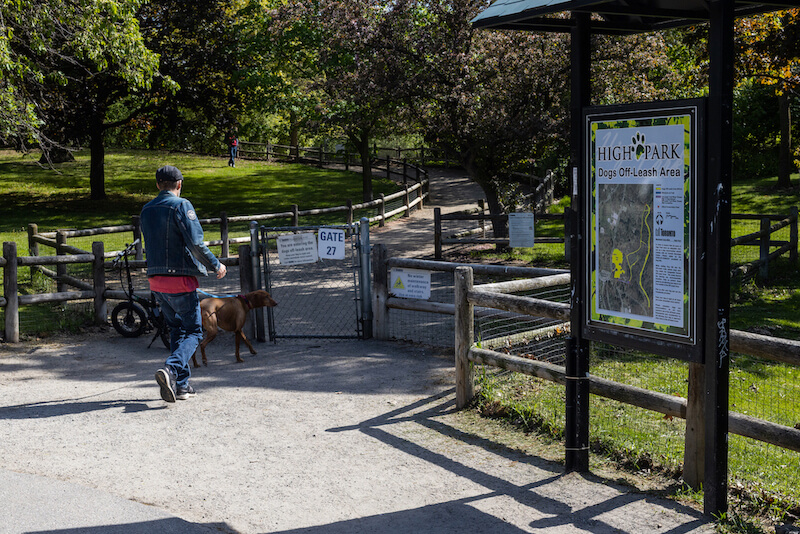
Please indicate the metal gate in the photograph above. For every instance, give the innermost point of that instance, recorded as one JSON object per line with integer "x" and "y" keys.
{"x": 329, "y": 298}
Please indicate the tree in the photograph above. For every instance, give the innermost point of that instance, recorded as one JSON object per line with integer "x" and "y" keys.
{"x": 70, "y": 59}
{"x": 501, "y": 99}
{"x": 198, "y": 45}
{"x": 768, "y": 53}
{"x": 353, "y": 62}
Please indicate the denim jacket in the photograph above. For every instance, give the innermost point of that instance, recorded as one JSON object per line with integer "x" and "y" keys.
{"x": 174, "y": 238}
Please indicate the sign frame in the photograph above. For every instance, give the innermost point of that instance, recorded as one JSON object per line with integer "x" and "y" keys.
{"x": 643, "y": 258}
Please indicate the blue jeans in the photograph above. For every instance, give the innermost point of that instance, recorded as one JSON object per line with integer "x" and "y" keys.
{"x": 234, "y": 150}
{"x": 182, "y": 314}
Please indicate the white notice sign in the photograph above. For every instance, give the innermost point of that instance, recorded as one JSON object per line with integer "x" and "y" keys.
{"x": 520, "y": 230}
{"x": 410, "y": 283}
{"x": 296, "y": 249}
{"x": 331, "y": 244}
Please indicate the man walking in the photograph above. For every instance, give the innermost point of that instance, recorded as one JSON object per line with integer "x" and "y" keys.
{"x": 176, "y": 255}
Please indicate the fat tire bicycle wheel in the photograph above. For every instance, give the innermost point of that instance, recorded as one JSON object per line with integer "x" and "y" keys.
{"x": 129, "y": 319}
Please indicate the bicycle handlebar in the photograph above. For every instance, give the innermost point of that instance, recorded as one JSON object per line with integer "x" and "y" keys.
{"x": 128, "y": 249}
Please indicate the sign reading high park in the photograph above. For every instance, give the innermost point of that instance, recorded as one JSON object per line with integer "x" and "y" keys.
{"x": 641, "y": 168}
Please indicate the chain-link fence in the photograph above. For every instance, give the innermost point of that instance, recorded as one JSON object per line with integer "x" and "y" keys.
{"x": 317, "y": 299}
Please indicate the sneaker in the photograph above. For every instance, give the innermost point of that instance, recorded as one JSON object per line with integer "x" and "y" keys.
{"x": 185, "y": 392}
{"x": 166, "y": 380}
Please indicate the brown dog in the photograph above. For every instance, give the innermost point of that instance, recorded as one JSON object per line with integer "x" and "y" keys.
{"x": 229, "y": 313}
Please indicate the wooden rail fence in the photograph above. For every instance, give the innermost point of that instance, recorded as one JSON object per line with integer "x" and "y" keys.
{"x": 471, "y": 300}
{"x": 391, "y": 157}
{"x": 770, "y": 224}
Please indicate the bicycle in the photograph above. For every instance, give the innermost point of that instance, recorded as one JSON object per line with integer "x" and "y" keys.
{"x": 137, "y": 315}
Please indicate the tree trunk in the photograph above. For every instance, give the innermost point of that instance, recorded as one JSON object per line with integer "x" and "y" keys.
{"x": 785, "y": 158}
{"x": 499, "y": 227}
{"x": 294, "y": 129}
{"x": 97, "y": 178}
{"x": 362, "y": 142}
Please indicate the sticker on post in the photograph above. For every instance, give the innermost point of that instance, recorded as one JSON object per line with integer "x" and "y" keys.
{"x": 410, "y": 283}
{"x": 331, "y": 244}
{"x": 520, "y": 230}
{"x": 296, "y": 249}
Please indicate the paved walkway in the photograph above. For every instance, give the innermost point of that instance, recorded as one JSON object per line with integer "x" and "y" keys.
{"x": 312, "y": 437}
{"x": 450, "y": 190}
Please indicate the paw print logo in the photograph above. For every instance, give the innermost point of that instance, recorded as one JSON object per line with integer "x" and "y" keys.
{"x": 638, "y": 144}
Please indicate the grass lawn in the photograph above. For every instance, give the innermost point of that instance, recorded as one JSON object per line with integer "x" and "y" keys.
{"x": 56, "y": 199}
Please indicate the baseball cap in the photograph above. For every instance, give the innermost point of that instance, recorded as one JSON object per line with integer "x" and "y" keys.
{"x": 168, "y": 173}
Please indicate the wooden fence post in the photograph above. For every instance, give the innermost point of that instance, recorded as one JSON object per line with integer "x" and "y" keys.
{"x": 482, "y": 208}
{"x": 763, "y": 254}
{"x": 61, "y": 268}
{"x": 224, "y": 235}
{"x": 437, "y": 233}
{"x": 11, "y": 292}
{"x": 694, "y": 444}
{"x": 349, "y": 212}
{"x": 99, "y": 283}
{"x": 382, "y": 209}
{"x": 137, "y": 234}
{"x": 380, "y": 277}
{"x": 33, "y": 246}
{"x": 405, "y": 171}
{"x": 465, "y": 335}
{"x": 295, "y": 215}
{"x": 793, "y": 235}
{"x": 346, "y": 160}
{"x": 407, "y": 200}
{"x": 388, "y": 167}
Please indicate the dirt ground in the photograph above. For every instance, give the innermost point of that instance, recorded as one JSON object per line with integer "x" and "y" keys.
{"x": 307, "y": 436}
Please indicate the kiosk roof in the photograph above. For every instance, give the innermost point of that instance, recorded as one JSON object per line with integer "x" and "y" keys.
{"x": 615, "y": 16}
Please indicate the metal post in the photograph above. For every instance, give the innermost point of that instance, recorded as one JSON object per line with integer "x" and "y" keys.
{"x": 366, "y": 278}
{"x": 437, "y": 233}
{"x": 716, "y": 346}
{"x": 576, "y": 454}
{"x": 255, "y": 255}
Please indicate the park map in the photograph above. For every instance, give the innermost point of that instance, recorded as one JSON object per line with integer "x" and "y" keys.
{"x": 625, "y": 249}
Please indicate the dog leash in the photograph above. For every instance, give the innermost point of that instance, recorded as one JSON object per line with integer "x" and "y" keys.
{"x": 215, "y": 296}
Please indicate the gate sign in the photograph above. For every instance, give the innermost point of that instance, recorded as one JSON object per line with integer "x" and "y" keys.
{"x": 296, "y": 249}
{"x": 520, "y": 230}
{"x": 410, "y": 283}
{"x": 331, "y": 244}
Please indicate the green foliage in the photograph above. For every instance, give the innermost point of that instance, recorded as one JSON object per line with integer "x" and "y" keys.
{"x": 45, "y": 45}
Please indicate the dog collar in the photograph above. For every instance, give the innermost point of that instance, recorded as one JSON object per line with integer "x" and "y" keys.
{"x": 249, "y": 306}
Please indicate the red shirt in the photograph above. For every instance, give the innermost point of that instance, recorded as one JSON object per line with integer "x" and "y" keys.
{"x": 173, "y": 284}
